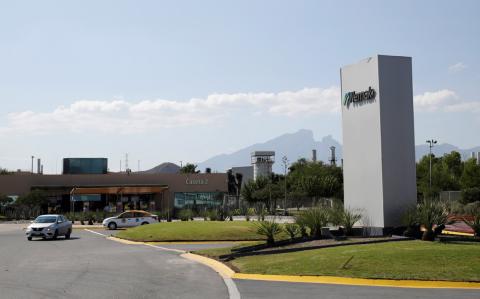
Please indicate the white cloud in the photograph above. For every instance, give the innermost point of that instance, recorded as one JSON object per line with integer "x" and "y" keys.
{"x": 129, "y": 117}
{"x": 444, "y": 100}
{"x": 432, "y": 101}
{"x": 457, "y": 67}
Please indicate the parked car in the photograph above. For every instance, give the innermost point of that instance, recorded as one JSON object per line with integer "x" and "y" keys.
{"x": 49, "y": 226}
{"x": 130, "y": 219}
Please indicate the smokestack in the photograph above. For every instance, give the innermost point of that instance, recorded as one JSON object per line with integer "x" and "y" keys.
{"x": 314, "y": 155}
{"x": 39, "y": 166}
{"x": 41, "y": 169}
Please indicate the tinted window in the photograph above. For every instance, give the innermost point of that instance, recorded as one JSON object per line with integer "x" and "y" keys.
{"x": 46, "y": 219}
{"x": 140, "y": 214}
{"x": 126, "y": 215}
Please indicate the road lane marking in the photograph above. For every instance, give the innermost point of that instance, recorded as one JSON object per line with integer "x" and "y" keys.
{"x": 94, "y": 232}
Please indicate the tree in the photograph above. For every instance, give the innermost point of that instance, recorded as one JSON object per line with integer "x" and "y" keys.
{"x": 471, "y": 174}
{"x": 315, "y": 179}
{"x": 35, "y": 198}
{"x": 470, "y": 195}
{"x": 189, "y": 168}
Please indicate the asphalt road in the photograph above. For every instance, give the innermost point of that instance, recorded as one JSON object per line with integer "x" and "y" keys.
{"x": 90, "y": 266}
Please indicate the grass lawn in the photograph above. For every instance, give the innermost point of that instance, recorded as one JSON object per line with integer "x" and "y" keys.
{"x": 394, "y": 260}
{"x": 193, "y": 231}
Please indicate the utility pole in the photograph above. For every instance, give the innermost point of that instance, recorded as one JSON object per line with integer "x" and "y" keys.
{"x": 431, "y": 144}
{"x": 285, "y": 163}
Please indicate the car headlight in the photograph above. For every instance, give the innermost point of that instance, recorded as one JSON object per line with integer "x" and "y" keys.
{"x": 29, "y": 229}
{"x": 50, "y": 228}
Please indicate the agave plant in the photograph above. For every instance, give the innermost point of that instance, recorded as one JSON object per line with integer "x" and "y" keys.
{"x": 292, "y": 229}
{"x": 473, "y": 210}
{"x": 430, "y": 213}
{"x": 314, "y": 219}
{"x": 268, "y": 229}
{"x": 348, "y": 219}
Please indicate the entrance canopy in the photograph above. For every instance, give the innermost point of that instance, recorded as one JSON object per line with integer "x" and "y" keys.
{"x": 119, "y": 189}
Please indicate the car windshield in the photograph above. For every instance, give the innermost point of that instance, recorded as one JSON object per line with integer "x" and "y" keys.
{"x": 46, "y": 219}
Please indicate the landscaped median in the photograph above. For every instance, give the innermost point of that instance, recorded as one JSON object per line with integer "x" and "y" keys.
{"x": 194, "y": 231}
{"x": 392, "y": 262}
{"x": 406, "y": 260}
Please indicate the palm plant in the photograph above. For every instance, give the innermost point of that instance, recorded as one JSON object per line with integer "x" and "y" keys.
{"x": 431, "y": 213}
{"x": 268, "y": 229}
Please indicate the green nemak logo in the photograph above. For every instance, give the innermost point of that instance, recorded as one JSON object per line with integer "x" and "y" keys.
{"x": 355, "y": 97}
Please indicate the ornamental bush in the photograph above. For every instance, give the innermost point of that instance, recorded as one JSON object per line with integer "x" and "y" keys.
{"x": 268, "y": 229}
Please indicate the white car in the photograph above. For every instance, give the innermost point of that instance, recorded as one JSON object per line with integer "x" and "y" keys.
{"x": 130, "y": 219}
{"x": 49, "y": 226}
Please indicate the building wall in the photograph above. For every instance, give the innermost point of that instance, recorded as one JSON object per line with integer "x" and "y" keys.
{"x": 378, "y": 140}
{"x": 18, "y": 184}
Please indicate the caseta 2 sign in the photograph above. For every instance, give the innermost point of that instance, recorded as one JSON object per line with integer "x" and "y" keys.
{"x": 355, "y": 97}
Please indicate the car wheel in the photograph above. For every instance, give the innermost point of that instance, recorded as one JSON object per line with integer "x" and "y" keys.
{"x": 67, "y": 235}
{"x": 143, "y": 223}
{"x": 29, "y": 238}
{"x": 112, "y": 226}
{"x": 55, "y": 235}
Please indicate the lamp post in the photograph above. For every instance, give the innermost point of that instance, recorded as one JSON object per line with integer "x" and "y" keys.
{"x": 431, "y": 144}
{"x": 285, "y": 163}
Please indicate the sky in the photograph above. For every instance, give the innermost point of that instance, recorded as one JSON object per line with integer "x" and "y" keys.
{"x": 186, "y": 80}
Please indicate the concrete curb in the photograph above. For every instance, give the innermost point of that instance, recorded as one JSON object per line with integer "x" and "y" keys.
{"x": 227, "y": 273}
{"x": 423, "y": 284}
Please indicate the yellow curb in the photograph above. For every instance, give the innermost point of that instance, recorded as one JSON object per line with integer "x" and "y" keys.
{"x": 227, "y": 272}
{"x": 125, "y": 241}
{"x": 447, "y": 232}
{"x": 221, "y": 268}
{"x": 195, "y": 242}
{"x": 362, "y": 281}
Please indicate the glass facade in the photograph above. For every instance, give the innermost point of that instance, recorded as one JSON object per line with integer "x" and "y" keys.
{"x": 87, "y": 197}
{"x": 85, "y": 165}
{"x": 190, "y": 200}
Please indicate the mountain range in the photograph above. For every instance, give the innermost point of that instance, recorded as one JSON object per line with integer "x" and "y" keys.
{"x": 298, "y": 145}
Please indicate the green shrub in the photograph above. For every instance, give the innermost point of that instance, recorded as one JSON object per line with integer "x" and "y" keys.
{"x": 336, "y": 213}
{"x": 185, "y": 214}
{"x": 348, "y": 219}
{"x": 261, "y": 213}
{"x": 268, "y": 229}
{"x": 292, "y": 229}
{"x": 314, "y": 219}
{"x": 213, "y": 215}
{"x": 470, "y": 195}
{"x": 473, "y": 211}
{"x": 249, "y": 213}
{"x": 410, "y": 220}
{"x": 431, "y": 213}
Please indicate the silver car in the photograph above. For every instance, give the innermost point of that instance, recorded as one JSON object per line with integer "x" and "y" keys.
{"x": 49, "y": 227}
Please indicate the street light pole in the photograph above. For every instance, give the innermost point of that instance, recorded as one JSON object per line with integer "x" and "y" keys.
{"x": 285, "y": 163}
{"x": 431, "y": 144}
